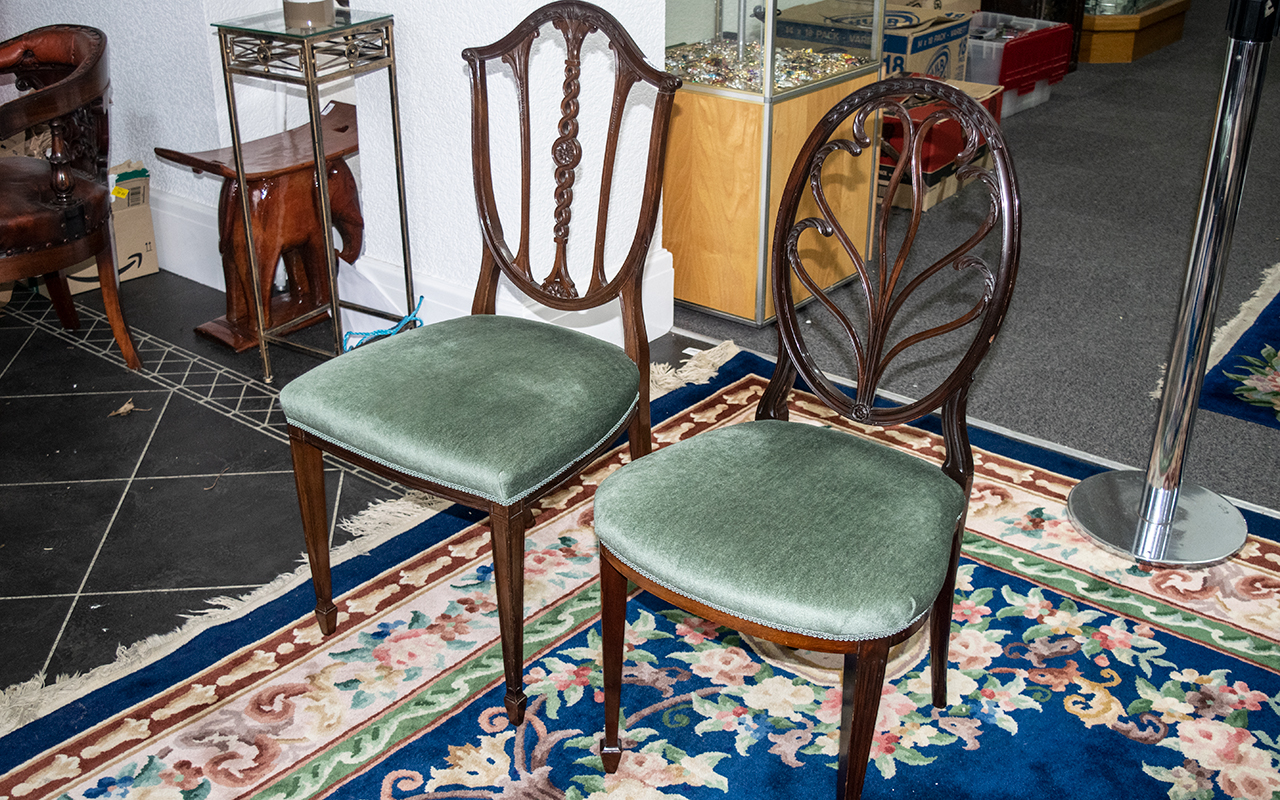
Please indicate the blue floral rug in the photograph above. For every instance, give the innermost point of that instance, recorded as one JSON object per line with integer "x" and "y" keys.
{"x": 1245, "y": 382}
{"x": 1072, "y": 672}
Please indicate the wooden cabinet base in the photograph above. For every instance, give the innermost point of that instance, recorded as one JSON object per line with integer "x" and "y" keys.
{"x": 1121, "y": 38}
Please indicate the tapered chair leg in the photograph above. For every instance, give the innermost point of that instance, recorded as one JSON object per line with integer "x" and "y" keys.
{"x": 110, "y": 284}
{"x": 308, "y": 474}
{"x": 507, "y": 529}
{"x": 613, "y": 623}
{"x": 639, "y": 436}
{"x": 863, "y": 679}
{"x": 940, "y": 628}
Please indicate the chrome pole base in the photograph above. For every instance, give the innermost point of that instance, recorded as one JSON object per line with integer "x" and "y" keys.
{"x": 1205, "y": 529}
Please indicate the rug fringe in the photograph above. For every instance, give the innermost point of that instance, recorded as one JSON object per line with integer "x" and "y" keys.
{"x": 34, "y": 698}
{"x": 1225, "y": 336}
{"x": 698, "y": 368}
{"x": 27, "y": 701}
{"x": 397, "y": 514}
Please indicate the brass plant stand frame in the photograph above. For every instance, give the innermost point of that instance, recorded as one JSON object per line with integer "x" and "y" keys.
{"x": 262, "y": 46}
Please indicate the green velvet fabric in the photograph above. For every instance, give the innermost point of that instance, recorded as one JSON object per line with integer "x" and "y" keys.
{"x": 802, "y": 528}
{"x": 494, "y": 406}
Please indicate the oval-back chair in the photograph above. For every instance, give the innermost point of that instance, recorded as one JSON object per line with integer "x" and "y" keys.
{"x": 808, "y": 536}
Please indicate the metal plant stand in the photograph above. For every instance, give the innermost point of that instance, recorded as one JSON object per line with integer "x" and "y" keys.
{"x": 1153, "y": 517}
{"x": 262, "y": 46}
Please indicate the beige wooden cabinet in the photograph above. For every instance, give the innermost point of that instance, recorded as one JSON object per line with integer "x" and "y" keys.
{"x": 733, "y": 141}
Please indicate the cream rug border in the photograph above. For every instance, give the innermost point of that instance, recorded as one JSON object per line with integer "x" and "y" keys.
{"x": 28, "y": 701}
{"x": 1226, "y": 335}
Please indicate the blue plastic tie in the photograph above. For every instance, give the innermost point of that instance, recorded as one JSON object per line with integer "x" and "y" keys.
{"x": 347, "y": 347}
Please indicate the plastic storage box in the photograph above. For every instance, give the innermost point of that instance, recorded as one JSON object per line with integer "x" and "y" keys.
{"x": 1025, "y": 65}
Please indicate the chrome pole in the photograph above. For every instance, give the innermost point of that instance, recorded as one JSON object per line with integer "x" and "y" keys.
{"x": 1153, "y": 517}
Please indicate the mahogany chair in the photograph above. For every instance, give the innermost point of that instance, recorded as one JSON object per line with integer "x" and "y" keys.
{"x": 492, "y": 411}
{"x": 56, "y": 213}
{"x": 809, "y": 536}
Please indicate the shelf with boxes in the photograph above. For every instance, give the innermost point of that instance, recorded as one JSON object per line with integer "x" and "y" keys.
{"x": 751, "y": 96}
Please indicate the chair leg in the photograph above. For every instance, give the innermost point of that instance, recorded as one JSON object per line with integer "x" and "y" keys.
{"x": 60, "y": 296}
{"x": 940, "y": 645}
{"x": 863, "y": 679}
{"x": 640, "y": 435}
{"x": 507, "y": 528}
{"x": 110, "y": 283}
{"x": 940, "y": 629}
{"x": 613, "y": 621}
{"x": 308, "y": 474}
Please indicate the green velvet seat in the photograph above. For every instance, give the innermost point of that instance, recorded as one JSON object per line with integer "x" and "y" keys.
{"x": 492, "y": 406}
{"x": 806, "y": 535}
{"x": 728, "y": 519}
{"x": 496, "y": 412}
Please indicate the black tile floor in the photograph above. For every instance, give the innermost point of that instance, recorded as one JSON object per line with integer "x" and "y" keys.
{"x": 113, "y": 527}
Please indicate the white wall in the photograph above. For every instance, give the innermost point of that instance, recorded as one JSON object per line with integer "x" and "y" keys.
{"x": 168, "y": 92}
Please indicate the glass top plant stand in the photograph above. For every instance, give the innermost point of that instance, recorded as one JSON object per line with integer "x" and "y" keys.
{"x": 262, "y": 46}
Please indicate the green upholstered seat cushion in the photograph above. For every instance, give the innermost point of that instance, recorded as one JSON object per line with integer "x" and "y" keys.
{"x": 802, "y": 528}
{"x": 494, "y": 406}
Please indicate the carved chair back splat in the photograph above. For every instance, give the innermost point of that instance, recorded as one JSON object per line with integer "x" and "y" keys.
{"x": 574, "y": 21}
{"x": 885, "y": 287}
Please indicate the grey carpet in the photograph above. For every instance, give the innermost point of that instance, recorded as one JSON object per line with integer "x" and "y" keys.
{"x": 1110, "y": 170}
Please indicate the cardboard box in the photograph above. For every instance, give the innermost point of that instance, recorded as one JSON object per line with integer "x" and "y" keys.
{"x": 135, "y": 237}
{"x": 941, "y": 147}
{"x": 926, "y": 40}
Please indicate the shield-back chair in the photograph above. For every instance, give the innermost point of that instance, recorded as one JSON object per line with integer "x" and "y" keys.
{"x": 495, "y": 411}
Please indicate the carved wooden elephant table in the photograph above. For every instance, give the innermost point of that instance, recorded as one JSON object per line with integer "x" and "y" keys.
{"x": 285, "y": 214}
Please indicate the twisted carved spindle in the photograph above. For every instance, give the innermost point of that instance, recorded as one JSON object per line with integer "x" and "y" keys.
{"x": 567, "y": 153}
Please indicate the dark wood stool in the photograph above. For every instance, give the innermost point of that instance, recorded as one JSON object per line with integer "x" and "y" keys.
{"x": 286, "y": 218}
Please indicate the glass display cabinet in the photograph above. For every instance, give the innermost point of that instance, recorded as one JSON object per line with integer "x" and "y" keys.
{"x": 756, "y": 81}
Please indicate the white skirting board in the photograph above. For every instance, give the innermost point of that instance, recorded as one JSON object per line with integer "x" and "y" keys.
{"x": 187, "y": 245}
